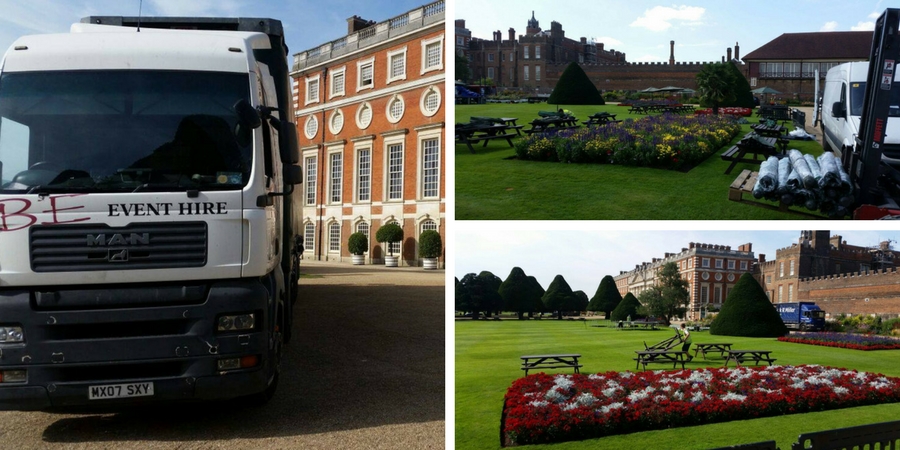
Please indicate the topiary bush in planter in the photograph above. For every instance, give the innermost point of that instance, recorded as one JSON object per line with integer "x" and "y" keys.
{"x": 389, "y": 234}
{"x": 430, "y": 248}
{"x": 358, "y": 244}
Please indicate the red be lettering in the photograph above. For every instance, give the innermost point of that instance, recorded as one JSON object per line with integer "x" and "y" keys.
{"x": 8, "y": 213}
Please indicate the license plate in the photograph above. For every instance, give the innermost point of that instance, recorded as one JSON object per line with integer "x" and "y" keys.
{"x": 120, "y": 391}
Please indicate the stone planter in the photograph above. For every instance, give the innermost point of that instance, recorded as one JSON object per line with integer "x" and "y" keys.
{"x": 391, "y": 261}
{"x": 429, "y": 263}
{"x": 359, "y": 260}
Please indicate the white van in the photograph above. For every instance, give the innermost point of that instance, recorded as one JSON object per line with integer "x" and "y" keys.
{"x": 842, "y": 106}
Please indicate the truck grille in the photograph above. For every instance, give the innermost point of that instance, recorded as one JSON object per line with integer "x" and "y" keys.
{"x": 68, "y": 248}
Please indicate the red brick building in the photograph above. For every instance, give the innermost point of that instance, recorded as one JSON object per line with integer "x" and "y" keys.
{"x": 370, "y": 117}
{"x": 710, "y": 270}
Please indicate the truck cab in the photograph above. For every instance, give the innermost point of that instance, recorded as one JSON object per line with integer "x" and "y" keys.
{"x": 143, "y": 188}
{"x": 842, "y": 107}
{"x": 802, "y": 316}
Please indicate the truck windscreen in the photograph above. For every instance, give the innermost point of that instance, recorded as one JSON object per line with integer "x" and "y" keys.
{"x": 123, "y": 131}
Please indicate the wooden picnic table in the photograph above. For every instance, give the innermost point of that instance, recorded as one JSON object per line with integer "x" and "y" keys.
{"x": 742, "y": 356}
{"x": 769, "y": 130}
{"x": 760, "y": 147}
{"x": 546, "y": 124}
{"x": 561, "y": 361}
{"x": 710, "y": 347}
{"x": 601, "y": 118}
{"x": 660, "y": 356}
{"x": 483, "y": 132}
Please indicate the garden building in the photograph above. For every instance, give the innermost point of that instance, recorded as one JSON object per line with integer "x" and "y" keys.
{"x": 370, "y": 117}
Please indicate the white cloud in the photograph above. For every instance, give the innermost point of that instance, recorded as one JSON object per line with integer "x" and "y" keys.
{"x": 863, "y": 26}
{"x": 875, "y": 15}
{"x": 608, "y": 42}
{"x": 829, "y": 26}
{"x": 661, "y": 18}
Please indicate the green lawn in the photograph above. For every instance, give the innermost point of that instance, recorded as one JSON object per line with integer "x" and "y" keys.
{"x": 490, "y": 185}
{"x": 487, "y": 362}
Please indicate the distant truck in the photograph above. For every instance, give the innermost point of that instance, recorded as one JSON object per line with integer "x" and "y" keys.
{"x": 802, "y": 316}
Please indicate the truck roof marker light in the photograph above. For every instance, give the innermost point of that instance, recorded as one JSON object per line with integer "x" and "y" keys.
{"x": 21, "y": 47}
{"x": 235, "y": 50}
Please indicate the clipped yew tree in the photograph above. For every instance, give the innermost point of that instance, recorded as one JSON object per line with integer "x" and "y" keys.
{"x": 559, "y": 297}
{"x": 607, "y": 297}
{"x": 582, "y": 302}
{"x": 575, "y": 88}
{"x": 519, "y": 294}
{"x": 627, "y": 307}
{"x": 741, "y": 87}
{"x": 537, "y": 294}
{"x": 748, "y": 312}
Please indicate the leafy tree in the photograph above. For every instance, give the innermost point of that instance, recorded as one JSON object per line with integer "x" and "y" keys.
{"x": 582, "y": 301}
{"x": 559, "y": 297}
{"x": 517, "y": 293}
{"x": 492, "y": 282}
{"x": 715, "y": 84}
{"x": 748, "y": 312}
{"x": 607, "y": 296}
{"x": 477, "y": 293}
{"x": 462, "y": 68}
{"x": 627, "y": 307}
{"x": 741, "y": 88}
{"x": 669, "y": 297}
{"x": 389, "y": 234}
{"x": 575, "y": 88}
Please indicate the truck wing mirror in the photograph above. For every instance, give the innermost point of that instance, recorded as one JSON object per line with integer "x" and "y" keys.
{"x": 290, "y": 153}
{"x": 248, "y": 116}
{"x": 292, "y": 175}
{"x": 838, "y": 110}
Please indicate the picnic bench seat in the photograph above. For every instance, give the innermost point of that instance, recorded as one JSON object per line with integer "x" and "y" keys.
{"x": 475, "y": 132}
{"x": 711, "y": 347}
{"x": 760, "y": 147}
{"x": 675, "y": 357}
{"x": 743, "y": 356}
{"x": 561, "y": 361}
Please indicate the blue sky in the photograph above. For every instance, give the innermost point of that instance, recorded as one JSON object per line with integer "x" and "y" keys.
{"x": 701, "y": 29}
{"x": 307, "y": 23}
{"x": 584, "y": 252}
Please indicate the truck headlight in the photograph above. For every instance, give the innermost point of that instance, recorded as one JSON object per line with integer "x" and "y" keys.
{"x": 236, "y": 322}
{"x": 11, "y": 334}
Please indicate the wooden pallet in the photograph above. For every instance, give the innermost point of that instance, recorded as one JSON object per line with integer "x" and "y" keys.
{"x": 744, "y": 183}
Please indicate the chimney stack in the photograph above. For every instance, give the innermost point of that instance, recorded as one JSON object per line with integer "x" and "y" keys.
{"x": 728, "y": 52}
{"x": 512, "y": 34}
{"x": 737, "y": 51}
{"x": 671, "y": 53}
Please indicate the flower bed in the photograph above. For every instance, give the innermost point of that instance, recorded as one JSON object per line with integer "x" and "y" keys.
{"x": 666, "y": 141}
{"x": 545, "y": 408}
{"x": 728, "y": 110}
{"x": 844, "y": 340}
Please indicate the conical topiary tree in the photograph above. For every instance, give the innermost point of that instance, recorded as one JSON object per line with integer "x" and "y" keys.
{"x": 607, "y": 296}
{"x": 627, "y": 307}
{"x": 748, "y": 312}
{"x": 582, "y": 301}
{"x": 559, "y": 297}
{"x": 536, "y": 294}
{"x": 741, "y": 88}
{"x": 575, "y": 88}
{"x": 517, "y": 293}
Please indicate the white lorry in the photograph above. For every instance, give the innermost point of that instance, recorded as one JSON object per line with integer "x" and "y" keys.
{"x": 842, "y": 106}
{"x": 146, "y": 244}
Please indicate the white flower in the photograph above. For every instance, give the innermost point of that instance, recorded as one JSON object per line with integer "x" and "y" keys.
{"x": 840, "y": 390}
{"x": 555, "y": 396}
{"x": 666, "y": 388}
{"x": 660, "y": 398}
{"x": 539, "y": 404}
{"x": 817, "y": 381}
{"x": 607, "y": 408}
{"x": 563, "y": 382}
{"x": 585, "y": 399}
{"x": 609, "y": 392}
{"x": 799, "y": 384}
{"x": 766, "y": 391}
{"x": 698, "y": 397}
{"x": 678, "y": 395}
{"x": 637, "y": 396}
{"x": 700, "y": 376}
{"x": 626, "y": 374}
{"x": 595, "y": 377}
{"x": 733, "y": 396}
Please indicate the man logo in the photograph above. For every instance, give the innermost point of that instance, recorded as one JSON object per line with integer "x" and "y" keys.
{"x": 117, "y": 255}
{"x": 117, "y": 240}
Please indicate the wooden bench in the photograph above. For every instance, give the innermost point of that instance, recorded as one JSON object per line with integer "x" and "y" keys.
{"x": 563, "y": 361}
{"x": 476, "y": 132}
{"x": 645, "y": 357}
{"x": 742, "y": 356}
{"x": 760, "y": 147}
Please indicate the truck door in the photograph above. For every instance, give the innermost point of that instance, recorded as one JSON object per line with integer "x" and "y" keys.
{"x": 272, "y": 161}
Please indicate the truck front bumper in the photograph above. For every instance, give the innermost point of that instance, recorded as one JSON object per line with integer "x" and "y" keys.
{"x": 176, "y": 347}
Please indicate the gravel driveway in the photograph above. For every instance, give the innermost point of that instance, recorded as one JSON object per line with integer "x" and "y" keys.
{"x": 365, "y": 369}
